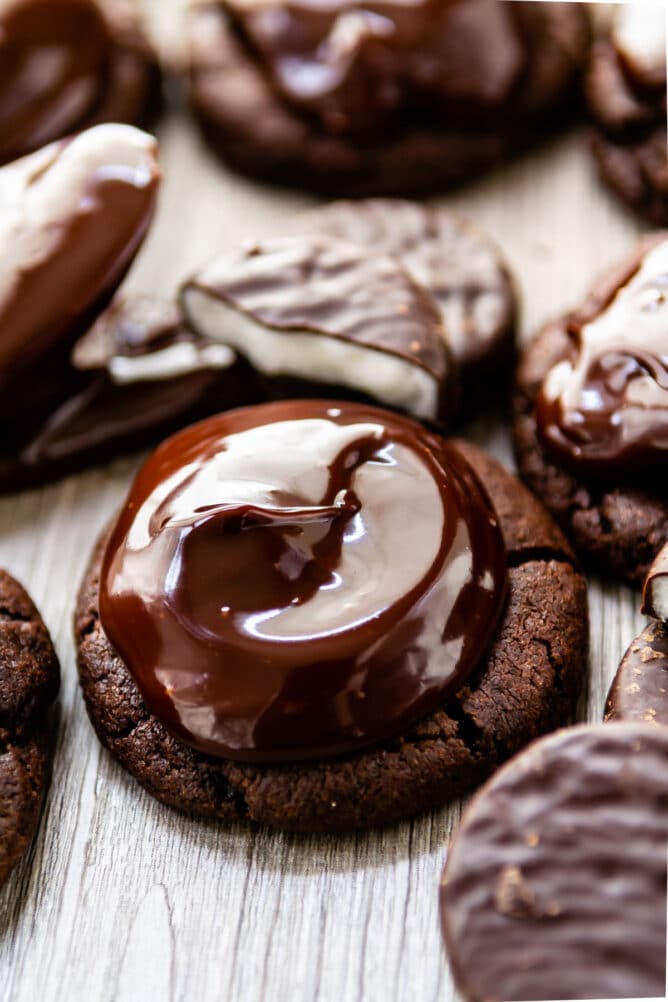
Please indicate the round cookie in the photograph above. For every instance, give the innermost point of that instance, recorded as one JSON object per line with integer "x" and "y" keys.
{"x": 105, "y": 70}
{"x": 528, "y": 683}
{"x": 555, "y": 884}
{"x": 617, "y": 524}
{"x": 29, "y": 680}
{"x": 401, "y": 150}
{"x": 625, "y": 86}
{"x": 458, "y": 263}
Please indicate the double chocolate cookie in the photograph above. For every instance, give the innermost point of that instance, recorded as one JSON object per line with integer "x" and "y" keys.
{"x": 459, "y": 264}
{"x": 264, "y": 634}
{"x": 591, "y": 416}
{"x": 29, "y": 680}
{"x": 555, "y": 884}
{"x": 626, "y": 90}
{"x": 66, "y": 65}
{"x": 377, "y": 98}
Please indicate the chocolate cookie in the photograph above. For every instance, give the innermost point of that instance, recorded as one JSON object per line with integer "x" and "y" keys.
{"x": 591, "y": 417}
{"x": 378, "y": 98}
{"x": 29, "y": 680}
{"x": 66, "y": 65}
{"x": 525, "y": 682}
{"x": 459, "y": 264}
{"x": 626, "y": 89}
{"x": 310, "y": 314}
{"x": 555, "y": 884}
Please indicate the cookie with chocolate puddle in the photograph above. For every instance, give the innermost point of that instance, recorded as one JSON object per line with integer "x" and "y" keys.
{"x": 29, "y": 681}
{"x": 591, "y": 416}
{"x": 625, "y": 85}
{"x": 555, "y": 884}
{"x": 286, "y": 569}
{"x": 66, "y": 65}
{"x": 381, "y": 99}
{"x": 459, "y": 264}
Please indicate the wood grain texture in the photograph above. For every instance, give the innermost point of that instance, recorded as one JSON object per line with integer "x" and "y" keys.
{"x": 122, "y": 899}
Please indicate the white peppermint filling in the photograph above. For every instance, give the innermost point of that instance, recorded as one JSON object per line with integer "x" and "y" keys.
{"x": 179, "y": 359}
{"x": 639, "y": 35}
{"x": 659, "y": 597}
{"x": 321, "y": 358}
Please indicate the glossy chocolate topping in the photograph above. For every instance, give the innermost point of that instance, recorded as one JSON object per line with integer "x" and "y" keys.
{"x": 74, "y": 215}
{"x": 352, "y": 62}
{"x": 53, "y": 61}
{"x": 301, "y": 579}
{"x": 604, "y": 408}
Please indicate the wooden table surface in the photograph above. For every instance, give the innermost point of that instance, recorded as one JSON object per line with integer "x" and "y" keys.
{"x": 122, "y": 899}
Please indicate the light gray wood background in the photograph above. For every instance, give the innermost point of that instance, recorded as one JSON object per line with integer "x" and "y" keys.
{"x": 122, "y": 899}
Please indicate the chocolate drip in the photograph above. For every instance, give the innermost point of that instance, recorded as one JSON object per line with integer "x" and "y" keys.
{"x": 353, "y": 64}
{"x": 301, "y": 579}
{"x": 604, "y": 409}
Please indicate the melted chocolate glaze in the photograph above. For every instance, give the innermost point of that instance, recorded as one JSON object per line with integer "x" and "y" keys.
{"x": 353, "y": 64}
{"x": 75, "y": 214}
{"x": 301, "y": 579}
{"x": 63, "y": 66}
{"x": 603, "y": 410}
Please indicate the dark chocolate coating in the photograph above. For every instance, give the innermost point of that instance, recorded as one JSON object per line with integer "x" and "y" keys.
{"x": 29, "y": 680}
{"x": 525, "y": 685}
{"x": 639, "y": 691}
{"x": 603, "y": 410}
{"x": 354, "y": 65}
{"x": 555, "y": 884}
{"x": 76, "y": 213}
{"x": 263, "y": 587}
{"x": 631, "y": 139}
{"x": 459, "y": 264}
{"x": 354, "y": 135}
{"x": 618, "y": 525}
{"x": 68, "y": 64}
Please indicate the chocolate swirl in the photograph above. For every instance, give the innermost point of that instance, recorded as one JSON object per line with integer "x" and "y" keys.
{"x": 604, "y": 409}
{"x": 301, "y": 579}
{"x": 65, "y": 65}
{"x": 74, "y": 214}
{"x": 354, "y": 63}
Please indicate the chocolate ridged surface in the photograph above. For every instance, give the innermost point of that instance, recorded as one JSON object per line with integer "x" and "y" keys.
{"x": 639, "y": 692}
{"x": 458, "y": 263}
{"x": 555, "y": 884}
{"x": 325, "y": 311}
{"x": 29, "y": 679}
{"x": 603, "y": 410}
{"x": 526, "y": 684}
{"x": 266, "y": 592}
{"x": 619, "y": 523}
{"x": 388, "y": 98}
{"x": 626, "y": 90}
{"x": 69, "y": 64}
